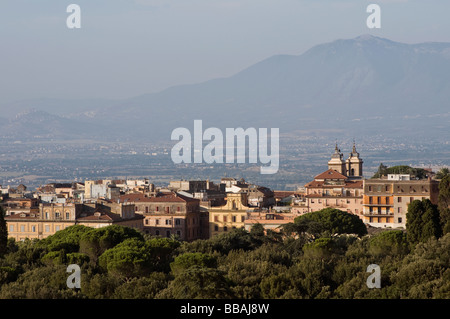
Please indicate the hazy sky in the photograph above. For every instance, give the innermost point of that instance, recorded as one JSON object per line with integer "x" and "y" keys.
{"x": 127, "y": 48}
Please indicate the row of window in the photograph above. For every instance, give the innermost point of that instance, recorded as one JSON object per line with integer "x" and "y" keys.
{"x": 57, "y": 215}
{"x": 167, "y": 221}
{"x": 379, "y": 200}
{"x": 225, "y": 218}
{"x": 387, "y": 220}
{"x": 400, "y": 189}
{"x": 33, "y": 228}
{"x": 348, "y": 201}
{"x": 166, "y": 209}
{"x": 224, "y": 228}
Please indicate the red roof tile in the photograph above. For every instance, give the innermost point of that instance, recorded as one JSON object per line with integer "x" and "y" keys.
{"x": 330, "y": 174}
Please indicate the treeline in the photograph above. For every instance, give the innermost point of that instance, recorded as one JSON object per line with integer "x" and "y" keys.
{"x": 321, "y": 255}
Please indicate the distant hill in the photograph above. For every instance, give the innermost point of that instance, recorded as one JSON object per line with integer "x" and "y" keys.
{"x": 35, "y": 124}
{"x": 366, "y": 85}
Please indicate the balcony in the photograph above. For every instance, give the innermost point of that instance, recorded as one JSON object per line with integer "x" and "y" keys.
{"x": 378, "y": 214}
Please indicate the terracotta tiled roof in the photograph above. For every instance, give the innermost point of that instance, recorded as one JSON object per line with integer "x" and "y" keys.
{"x": 346, "y": 184}
{"x": 330, "y": 174}
{"x": 160, "y": 198}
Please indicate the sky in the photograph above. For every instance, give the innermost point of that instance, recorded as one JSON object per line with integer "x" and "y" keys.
{"x": 126, "y": 48}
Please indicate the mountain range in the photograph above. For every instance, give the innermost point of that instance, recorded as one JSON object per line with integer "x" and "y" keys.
{"x": 361, "y": 86}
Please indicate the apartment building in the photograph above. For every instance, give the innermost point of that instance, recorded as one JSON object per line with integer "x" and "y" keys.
{"x": 168, "y": 214}
{"x": 57, "y": 216}
{"x": 386, "y": 200}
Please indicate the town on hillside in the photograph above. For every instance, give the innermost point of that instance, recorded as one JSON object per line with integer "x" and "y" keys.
{"x": 201, "y": 209}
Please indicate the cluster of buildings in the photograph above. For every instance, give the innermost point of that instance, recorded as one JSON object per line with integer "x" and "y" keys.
{"x": 197, "y": 209}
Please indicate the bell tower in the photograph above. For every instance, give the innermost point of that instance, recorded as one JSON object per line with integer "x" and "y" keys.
{"x": 354, "y": 164}
{"x": 336, "y": 162}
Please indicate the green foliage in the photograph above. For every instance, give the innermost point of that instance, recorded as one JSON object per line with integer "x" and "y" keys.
{"x": 332, "y": 220}
{"x": 198, "y": 283}
{"x": 444, "y": 203}
{"x": 3, "y": 233}
{"x": 383, "y": 170}
{"x": 239, "y": 264}
{"x": 96, "y": 241}
{"x": 188, "y": 260}
{"x": 67, "y": 239}
{"x": 8, "y": 274}
{"x": 130, "y": 258}
{"x": 422, "y": 221}
{"x": 392, "y": 242}
{"x": 39, "y": 283}
{"x": 443, "y": 172}
{"x": 143, "y": 287}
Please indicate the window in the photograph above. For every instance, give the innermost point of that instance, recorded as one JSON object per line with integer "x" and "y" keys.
{"x": 168, "y": 222}
{"x": 156, "y": 221}
{"x": 225, "y": 228}
{"x": 216, "y": 228}
{"x": 242, "y": 219}
{"x": 22, "y": 228}
{"x": 146, "y": 222}
{"x": 179, "y": 233}
{"x": 216, "y": 218}
{"x": 225, "y": 218}
{"x": 57, "y": 214}
{"x": 178, "y": 209}
{"x": 399, "y": 219}
{"x": 157, "y": 232}
{"x": 233, "y": 219}
{"x": 399, "y": 200}
{"x": 399, "y": 210}
{"x": 33, "y": 229}
{"x": 11, "y": 228}
{"x": 370, "y": 188}
{"x": 146, "y": 209}
{"x": 167, "y": 233}
{"x": 177, "y": 221}
{"x": 67, "y": 215}
{"x": 47, "y": 228}
{"x": 57, "y": 228}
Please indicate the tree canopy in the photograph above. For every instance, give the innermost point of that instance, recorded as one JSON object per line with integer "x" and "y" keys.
{"x": 240, "y": 264}
{"x": 332, "y": 220}
{"x": 384, "y": 170}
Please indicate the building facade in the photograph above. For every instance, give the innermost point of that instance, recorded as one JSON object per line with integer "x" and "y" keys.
{"x": 386, "y": 200}
{"x": 55, "y": 217}
{"x": 170, "y": 214}
{"x": 340, "y": 187}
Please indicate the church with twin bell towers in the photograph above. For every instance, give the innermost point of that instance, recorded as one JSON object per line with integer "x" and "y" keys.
{"x": 352, "y": 167}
